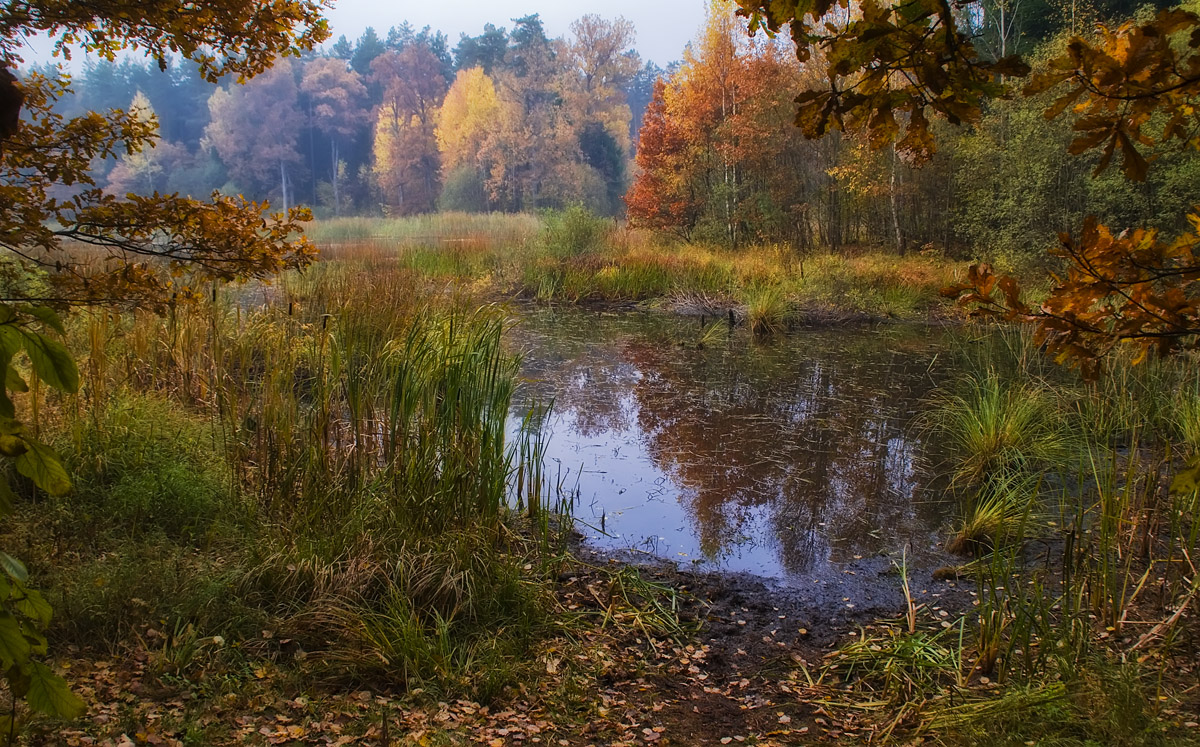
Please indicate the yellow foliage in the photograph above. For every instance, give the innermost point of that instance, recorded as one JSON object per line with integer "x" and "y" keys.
{"x": 468, "y": 114}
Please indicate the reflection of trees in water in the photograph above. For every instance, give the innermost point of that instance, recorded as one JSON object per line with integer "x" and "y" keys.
{"x": 805, "y": 439}
{"x": 589, "y": 378}
{"x": 811, "y": 434}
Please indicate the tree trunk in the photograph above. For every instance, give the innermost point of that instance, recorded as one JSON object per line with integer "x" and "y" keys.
{"x": 283, "y": 184}
{"x": 895, "y": 211}
{"x": 312, "y": 152}
{"x": 337, "y": 197}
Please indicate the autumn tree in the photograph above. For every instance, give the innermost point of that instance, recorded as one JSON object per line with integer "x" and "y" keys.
{"x": 468, "y": 115}
{"x": 688, "y": 151}
{"x": 44, "y": 153}
{"x": 336, "y": 107}
{"x": 602, "y": 63}
{"x": 255, "y": 129}
{"x": 662, "y": 196}
{"x": 529, "y": 151}
{"x": 540, "y": 122}
{"x": 407, "y": 161}
{"x": 638, "y": 92}
{"x": 404, "y": 35}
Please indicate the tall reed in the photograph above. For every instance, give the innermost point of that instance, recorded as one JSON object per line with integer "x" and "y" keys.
{"x": 361, "y": 420}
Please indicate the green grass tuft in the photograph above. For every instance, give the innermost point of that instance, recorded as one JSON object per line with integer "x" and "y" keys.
{"x": 993, "y": 425}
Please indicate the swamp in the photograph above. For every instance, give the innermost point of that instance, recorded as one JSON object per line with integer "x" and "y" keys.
{"x": 388, "y": 490}
{"x": 834, "y": 383}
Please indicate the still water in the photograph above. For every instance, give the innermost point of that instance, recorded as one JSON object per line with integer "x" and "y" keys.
{"x": 792, "y": 459}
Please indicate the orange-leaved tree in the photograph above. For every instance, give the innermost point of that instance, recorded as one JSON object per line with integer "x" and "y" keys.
{"x": 149, "y": 251}
{"x": 663, "y": 196}
{"x": 715, "y": 154}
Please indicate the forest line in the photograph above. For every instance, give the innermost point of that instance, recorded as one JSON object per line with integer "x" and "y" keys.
{"x": 512, "y": 120}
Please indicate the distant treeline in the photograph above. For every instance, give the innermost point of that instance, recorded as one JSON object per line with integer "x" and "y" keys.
{"x": 512, "y": 120}
{"x": 506, "y": 120}
{"x": 719, "y": 159}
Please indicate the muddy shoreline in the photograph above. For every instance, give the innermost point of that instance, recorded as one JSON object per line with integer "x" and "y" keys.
{"x": 770, "y": 617}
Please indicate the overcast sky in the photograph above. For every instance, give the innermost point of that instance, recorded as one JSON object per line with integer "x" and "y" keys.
{"x": 664, "y": 27}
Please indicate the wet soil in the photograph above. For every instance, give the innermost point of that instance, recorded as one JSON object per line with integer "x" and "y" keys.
{"x": 735, "y": 679}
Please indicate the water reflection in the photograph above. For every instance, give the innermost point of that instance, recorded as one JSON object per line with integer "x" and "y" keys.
{"x": 785, "y": 459}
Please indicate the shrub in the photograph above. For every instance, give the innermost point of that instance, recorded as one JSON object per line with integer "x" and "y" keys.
{"x": 574, "y": 231}
{"x": 463, "y": 192}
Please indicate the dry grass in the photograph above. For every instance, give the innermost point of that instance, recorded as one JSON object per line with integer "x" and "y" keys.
{"x": 577, "y": 258}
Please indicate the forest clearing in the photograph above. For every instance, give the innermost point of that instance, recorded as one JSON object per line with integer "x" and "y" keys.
{"x": 811, "y": 389}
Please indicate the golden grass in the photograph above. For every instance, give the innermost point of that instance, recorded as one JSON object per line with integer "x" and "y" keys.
{"x": 524, "y": 254}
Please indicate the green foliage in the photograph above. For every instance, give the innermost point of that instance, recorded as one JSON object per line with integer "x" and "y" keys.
{"x": 603, "y": 153}
{"x": 573, "y": 231}
{"x": 147, "y": 467}
{"x": 24, "y": 613}
{"x": 1015, "y": 191}
{"x": 116, "y": 589}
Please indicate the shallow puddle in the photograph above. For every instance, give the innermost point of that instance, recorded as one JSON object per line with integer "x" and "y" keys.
{"x": 795, "y": 459}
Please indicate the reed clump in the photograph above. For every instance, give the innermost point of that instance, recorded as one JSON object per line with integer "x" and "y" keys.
{"x": 329, "y": 458}
{"x": 766, "y": 310}
{"x": 998, "y": 512}
{"x": 993, "y": 424}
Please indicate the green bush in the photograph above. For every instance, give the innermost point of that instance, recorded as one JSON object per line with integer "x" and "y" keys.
{"x": 463, "y": 192}
{"x": 574, "y": 231}
{"x": 145, "y": 466}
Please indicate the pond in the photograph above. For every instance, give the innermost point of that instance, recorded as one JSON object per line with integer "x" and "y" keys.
{"x": 795, "y": 459}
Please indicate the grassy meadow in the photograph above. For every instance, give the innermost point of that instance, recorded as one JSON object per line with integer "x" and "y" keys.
{"x": 573, "y": 257}
{"x": 301, "y": 506}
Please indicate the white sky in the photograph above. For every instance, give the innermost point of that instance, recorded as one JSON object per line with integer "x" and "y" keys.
{"x": 664, "y": 27}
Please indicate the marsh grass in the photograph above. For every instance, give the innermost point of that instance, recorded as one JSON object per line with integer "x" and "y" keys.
{"x": 766, "y": 311}
{"x": 434, "y": 228}
{"x": 1186, "y": 417}
{"x": 993, "y": 423}
{"x": 572, "y": 256}
{"x": 1110, "y": 705}
{"x": 328, "y": 458}
{"x": 713, "y": 334}
{"x": 997, "y": 513}
{"x": 1076, "y": 636}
